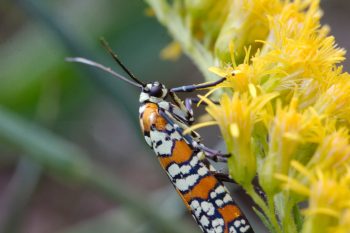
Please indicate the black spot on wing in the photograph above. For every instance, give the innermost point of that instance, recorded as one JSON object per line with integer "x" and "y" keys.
{"x": 158, "y": 143}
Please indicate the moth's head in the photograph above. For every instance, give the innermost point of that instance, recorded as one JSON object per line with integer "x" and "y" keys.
{"x": 153, "y": 92}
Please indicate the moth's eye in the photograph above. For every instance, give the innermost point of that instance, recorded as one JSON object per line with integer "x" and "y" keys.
{"x": 156, "y": 91}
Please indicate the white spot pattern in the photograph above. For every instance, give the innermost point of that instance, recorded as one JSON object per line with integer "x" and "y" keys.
{"x": 202, "y": 171}
{"x": 183, "y": 184}
{"x": 173, "y": 170}
{"x": 194, "y": 161}
{"x": 163, "y": 142}
{"x": 208, "y": 208}
{"x": 240, "y": 225}
{"x": 219, "y": 203}
{"x": 185, "y": 169}
{"x": 227, "y": 198}
{"x": 204, "y": 221}
{"x": 164, "y": 147}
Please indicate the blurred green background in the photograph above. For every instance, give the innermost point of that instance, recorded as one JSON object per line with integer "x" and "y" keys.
{"x": 72, "y": 158}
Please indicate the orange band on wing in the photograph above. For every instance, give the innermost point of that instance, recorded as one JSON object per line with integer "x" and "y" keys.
{"x": 229, "y": 213}
{"x": 181, "y": 153}
{"x": 202, "y": 189}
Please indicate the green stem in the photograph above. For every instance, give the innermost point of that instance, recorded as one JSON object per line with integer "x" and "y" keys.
{"x": 268, "y": 210}
{"x": 272, "y": 213}
{"x": 288, "y": 222}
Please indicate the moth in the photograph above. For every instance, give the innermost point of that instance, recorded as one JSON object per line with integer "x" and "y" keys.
{"x": 182, "y": 156}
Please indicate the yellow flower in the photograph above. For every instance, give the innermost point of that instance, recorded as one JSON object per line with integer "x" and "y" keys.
{"x": 333, "y": 153}
{"x": 334, "y": 101}
{"x": 289, "y": 131}
{"x": 328, "y": 194}
{"x": 237, "y": 117}
{"x": 239, "y": 77}
{"x": 298, "y": 47}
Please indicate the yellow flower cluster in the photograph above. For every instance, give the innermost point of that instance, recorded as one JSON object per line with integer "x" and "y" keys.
{"x": 236, "y": 117}
{"x": 328, "y": 193}
{"x": 284, "y": 108}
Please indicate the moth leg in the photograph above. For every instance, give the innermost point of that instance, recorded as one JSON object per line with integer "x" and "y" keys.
{"x": 218, "y": 174}
{"x": 187, "y": 107}
{"x": 214, "y": 155}
{"x": 223, "y": 177}
{"x": 195, "y": 100}
{"x": 183, "y": 112}
{"x": 188, "y": 113}
{"x": 190, "y": 88}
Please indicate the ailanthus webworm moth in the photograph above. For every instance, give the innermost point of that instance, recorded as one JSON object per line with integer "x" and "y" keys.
{"x": 182, "y": 156}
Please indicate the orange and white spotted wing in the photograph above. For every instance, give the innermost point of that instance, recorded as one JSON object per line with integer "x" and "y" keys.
{"x": 208, "y": 200}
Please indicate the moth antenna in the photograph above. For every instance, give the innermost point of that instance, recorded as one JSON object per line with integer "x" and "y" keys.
{"x": 102, "y": 67}
{"x": 116, "y": 58}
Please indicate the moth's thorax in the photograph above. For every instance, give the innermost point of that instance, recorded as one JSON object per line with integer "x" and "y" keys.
{"x": 148, "y": 114}
{"x": 158, "y": 133}
{"x": 150, "y": 118}
{"x": 153, "y": 92}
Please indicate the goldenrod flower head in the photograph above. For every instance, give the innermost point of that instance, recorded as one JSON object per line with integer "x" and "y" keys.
{"x": 236, "y": 117}
{"x": 328, "y": 194}
{"x": 334, "y": 101}
{"x": 299, "y": 48}
{"x": 288, "y": 131}
{"x": 333, "y": 153}
{"x": 239, "y": 77}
